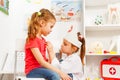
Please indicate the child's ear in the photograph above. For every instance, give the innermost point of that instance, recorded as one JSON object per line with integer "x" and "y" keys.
{"x": 74, "y": 48}
{"x": 42, "y": 23}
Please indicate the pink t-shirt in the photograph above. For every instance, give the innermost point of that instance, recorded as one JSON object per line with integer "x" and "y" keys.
{"x": 30, "y": 61}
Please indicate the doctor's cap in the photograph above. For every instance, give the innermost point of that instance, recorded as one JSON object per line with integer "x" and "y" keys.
{"x": 71, "y": 36}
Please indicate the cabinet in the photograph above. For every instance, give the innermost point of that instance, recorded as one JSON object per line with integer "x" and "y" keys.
{"x": 102, "y": 31}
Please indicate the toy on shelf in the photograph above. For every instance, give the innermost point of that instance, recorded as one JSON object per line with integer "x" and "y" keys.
{"x": 115, "y": 44}
{"x": 98, "y": 20}
{"x": 114, "y": 13}
{"x": 94, "y": 79}
{"x": 96, "y": 47}
{"x": 109, "y": 52}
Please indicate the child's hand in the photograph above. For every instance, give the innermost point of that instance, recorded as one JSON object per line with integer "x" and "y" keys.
{"x": 64, "y": 76}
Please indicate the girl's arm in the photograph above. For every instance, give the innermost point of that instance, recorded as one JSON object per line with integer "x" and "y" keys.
{"x": 51, "y": 53}
{"x": 47, "y": 65}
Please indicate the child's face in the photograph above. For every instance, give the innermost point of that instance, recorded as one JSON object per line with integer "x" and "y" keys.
{"x": 47, "y": 28}
{"x": 66, "y": 47}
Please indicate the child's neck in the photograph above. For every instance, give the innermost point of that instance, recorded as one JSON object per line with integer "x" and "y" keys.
{"x": 70, "y": 54}
{"x": 39, "y": 36}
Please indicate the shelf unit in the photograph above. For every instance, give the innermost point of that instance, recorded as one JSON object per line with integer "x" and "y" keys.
{"x": 104, "y": 33}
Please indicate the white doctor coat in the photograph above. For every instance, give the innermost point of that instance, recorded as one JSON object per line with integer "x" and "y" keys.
{"x": 71, "y": 64}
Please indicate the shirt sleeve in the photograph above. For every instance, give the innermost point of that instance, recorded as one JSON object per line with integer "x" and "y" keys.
{"x": 71, "y": 65}
{"x": 55, "y": 63}
{"x": 32, "y": 44}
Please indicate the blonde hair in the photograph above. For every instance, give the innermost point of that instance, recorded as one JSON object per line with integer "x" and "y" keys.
{"x": 34, "y": 26}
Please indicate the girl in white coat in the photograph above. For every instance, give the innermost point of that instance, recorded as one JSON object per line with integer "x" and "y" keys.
{"x": 72, "y": 64}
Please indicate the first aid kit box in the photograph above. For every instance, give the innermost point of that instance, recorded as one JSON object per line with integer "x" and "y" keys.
{"x": 110, "y": 68}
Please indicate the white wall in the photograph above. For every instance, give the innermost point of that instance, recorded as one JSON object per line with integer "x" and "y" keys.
{"x": 12, "y": 25}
